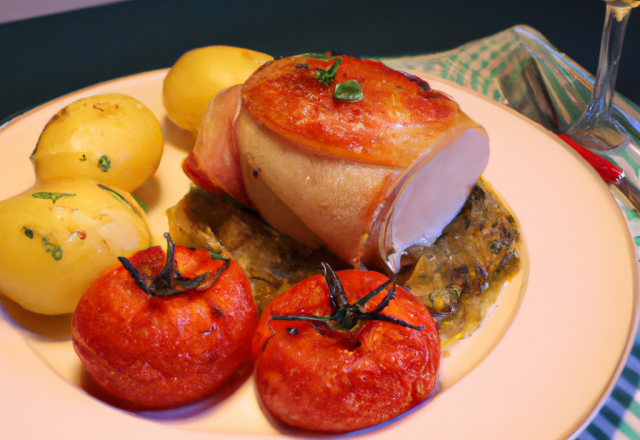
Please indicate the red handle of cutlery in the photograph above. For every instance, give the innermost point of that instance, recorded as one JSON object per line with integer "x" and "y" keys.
{"x": 608, "y": 171}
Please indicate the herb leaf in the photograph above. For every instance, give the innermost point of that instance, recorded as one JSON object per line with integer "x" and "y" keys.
{"x": 28, "y": 232}
{"x": 54, "y": 249}
{"x": 104, "y": 163}
{"x": 319, "y": 56}
{"x": 119, "y": 198}
{"x": 326, "y": 77}
{"x": 141, "y": 202}
{"x": 349, "y": 91}
{"x": 54, "y": 197}
{"x": 215, "y": 256}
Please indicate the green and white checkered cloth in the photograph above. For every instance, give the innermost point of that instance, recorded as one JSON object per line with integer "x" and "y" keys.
{"x": 508, "y": 67}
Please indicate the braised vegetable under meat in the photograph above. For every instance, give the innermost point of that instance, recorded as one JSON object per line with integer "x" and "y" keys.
{"x": 272, "y": 261}
{"x": 458, "y": 278}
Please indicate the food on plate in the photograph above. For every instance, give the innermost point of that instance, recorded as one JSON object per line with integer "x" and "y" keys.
{"x": 344, "y": 152}
{"x": 343, "y": 352}
{"x": 113, "y": 139}
{"x": 201, "y": 73}
{"x": 373, "y": 177}
{"x": 162, "y": 330}
{"x": 460, "y": 276}
{"x": 57, "y": 237}
{"x": 273, "y": 261}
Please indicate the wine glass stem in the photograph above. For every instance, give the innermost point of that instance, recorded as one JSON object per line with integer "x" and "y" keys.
{"x": 596, "y": 129}
{"x": 612, "y": 37}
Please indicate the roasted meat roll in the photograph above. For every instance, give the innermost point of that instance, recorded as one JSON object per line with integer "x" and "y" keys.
{"x": 344, "y": 152}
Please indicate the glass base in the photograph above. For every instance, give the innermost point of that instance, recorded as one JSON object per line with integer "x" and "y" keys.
{"x": 602, "y": 135}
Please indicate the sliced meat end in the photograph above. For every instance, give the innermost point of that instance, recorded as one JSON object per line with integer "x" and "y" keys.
{"x": 432, "y": 193}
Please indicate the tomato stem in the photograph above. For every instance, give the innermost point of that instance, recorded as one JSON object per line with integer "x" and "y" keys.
{"x": 346, "y": 316}
{"x": 169, "y": 281}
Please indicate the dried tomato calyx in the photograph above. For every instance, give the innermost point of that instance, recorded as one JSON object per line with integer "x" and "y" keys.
{"x": 346, "y": 316}
{"x": 169, "y": 281}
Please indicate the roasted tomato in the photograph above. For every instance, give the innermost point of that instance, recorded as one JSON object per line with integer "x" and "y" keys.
{"x": 342, "y": 352}
{"x": 164, "y": 330}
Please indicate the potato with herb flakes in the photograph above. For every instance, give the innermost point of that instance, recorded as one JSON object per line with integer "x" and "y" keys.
{"x": 56, "y": 238}
{"x": 113, "y": 138}
{"x": 200, "y": 74}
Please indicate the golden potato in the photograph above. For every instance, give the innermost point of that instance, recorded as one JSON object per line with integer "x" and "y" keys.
{"x": 58, "y": 237}
{"x": 200, "y": 74}
{"x": 112, "y": 138}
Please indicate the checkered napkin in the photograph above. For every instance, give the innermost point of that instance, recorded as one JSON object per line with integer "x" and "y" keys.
{"x": 519, "y": 67}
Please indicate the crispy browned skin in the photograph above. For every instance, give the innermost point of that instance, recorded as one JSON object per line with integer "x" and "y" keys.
{"x": 397, "y": 118}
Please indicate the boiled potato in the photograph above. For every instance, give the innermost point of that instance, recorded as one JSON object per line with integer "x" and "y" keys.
{"x": 56, "y": 238}
{"x": 200, "y": 74}
{"x": 112, "y": 138}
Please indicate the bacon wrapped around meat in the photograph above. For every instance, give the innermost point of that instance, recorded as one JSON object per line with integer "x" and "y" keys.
{"x": 341, "y": 151}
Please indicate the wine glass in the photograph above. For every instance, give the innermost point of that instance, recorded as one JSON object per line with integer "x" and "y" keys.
{"x": 596, "y": 129}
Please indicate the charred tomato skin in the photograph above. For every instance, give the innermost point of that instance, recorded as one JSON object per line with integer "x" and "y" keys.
{"x": 161, "y": 352}
{"x": 342, "y": 381}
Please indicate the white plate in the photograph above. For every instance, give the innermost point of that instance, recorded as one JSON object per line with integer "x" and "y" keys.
{"x": 544, "y": 373}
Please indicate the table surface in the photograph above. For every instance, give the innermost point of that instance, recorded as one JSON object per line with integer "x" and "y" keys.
{"x": 53, "y": 55}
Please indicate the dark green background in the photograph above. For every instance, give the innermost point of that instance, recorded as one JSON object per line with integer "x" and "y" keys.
{"x": 49, "y": 56}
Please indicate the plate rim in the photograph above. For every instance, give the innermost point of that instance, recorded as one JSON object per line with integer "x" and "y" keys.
{"x": 635, "y": 320}
{"x": 630, "y": 339}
